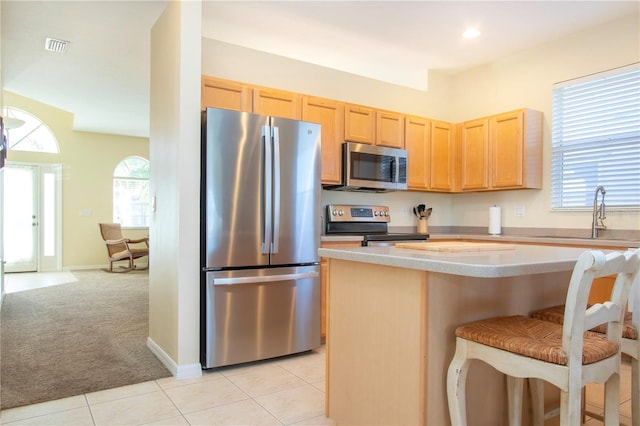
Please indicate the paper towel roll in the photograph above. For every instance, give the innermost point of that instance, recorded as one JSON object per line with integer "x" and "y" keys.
{"x": 495, "y": 220}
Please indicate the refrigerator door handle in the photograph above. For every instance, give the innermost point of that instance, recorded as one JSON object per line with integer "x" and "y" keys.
{"x": 276, "y": 190}
{"x": 264, "y": 279}
{"x": 266, "y": 202}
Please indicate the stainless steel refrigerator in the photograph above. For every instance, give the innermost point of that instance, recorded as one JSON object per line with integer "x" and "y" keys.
{"x": 260, "y": 221}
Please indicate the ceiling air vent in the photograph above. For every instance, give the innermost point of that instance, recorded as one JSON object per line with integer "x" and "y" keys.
{"x": 55, "y": 45}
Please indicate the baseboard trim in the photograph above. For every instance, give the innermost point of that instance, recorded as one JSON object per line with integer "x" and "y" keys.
{"x": 104, "y": 267}
{"x": 84, "y": 267}
{"x": 180, "y": 372}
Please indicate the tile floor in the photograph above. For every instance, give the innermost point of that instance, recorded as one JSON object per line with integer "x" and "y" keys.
{"x": 21, "y": 281}
{"x": 282, "y": 391}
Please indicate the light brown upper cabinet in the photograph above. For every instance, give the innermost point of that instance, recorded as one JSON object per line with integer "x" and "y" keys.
{"x": 516, "y": 150}
{"x": 417, "y": 141}
{"x": 359, "y": 124}
{"x": 442, "y": 156}
{"x": 329, "y": 114}
{"x": 473, "y": 148}
{"x": 218, "y": 93}
{"x": 278, "y": 103}
{"x": 502, "y": 151}
{"x": 390, "y": 129}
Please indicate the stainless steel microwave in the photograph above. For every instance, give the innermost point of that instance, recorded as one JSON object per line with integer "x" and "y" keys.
{"x": 372, "y": 168}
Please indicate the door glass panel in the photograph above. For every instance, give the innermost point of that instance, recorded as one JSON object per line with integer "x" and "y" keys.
{"x": 48, "y": 214}
{"x": 19, "y": 208}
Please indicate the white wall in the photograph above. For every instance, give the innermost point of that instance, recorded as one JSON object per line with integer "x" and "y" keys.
{"x": 174, "y": 280}
{"x": 523, "y": 79}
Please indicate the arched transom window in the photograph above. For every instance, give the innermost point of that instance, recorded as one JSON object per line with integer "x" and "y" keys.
{"x": 25, "y": 132}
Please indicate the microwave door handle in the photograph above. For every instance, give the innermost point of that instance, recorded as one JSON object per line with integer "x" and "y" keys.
{"x": 276, "y": 190}
{"x": 266, "y": 191}
{"x": 395, "y": 167}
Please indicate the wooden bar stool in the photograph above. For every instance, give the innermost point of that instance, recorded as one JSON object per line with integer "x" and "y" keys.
{"x": 630, "y": 344}
{"x": 566, "y": 355}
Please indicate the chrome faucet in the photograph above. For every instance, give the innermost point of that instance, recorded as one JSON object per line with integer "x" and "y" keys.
{"x": 598, "y": 213}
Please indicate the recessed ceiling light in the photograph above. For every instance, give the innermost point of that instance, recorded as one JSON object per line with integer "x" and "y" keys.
{"x": 55, "y": 45}
{"x": 471, "y": 33}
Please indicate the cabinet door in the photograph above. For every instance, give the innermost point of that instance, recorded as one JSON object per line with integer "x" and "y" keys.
{"x": 330, "y": 115}
{"x": 218, "y": 93}
{"x": 441, "y": 156}
{"x": 474, "y": 155}
{"x": 507, "y": 150}
{"x": 390, "y": 129}
{"x": 359, "y": 124}
{"x": 417, "y": 142}
{"x": 278, "y": 103}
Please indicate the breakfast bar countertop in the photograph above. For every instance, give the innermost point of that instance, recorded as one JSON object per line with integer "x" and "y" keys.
{"x": 517, "y": 261}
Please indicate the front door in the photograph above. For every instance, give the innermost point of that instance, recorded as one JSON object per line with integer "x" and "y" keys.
{"x": 31, "y": 217}
{"x": 20, "y": 218}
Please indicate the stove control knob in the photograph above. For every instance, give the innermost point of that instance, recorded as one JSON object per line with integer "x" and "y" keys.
{"x": 386, "y": 214}
{"x": 340, "y": 212}
{"x": 376, "y": 213}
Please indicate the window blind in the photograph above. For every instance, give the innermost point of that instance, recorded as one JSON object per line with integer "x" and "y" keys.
{"x": 596, "y": 140}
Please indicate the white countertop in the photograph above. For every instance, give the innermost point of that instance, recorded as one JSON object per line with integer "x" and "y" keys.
{"x": 522, "y": 260}
{"x": 563, "y": 241}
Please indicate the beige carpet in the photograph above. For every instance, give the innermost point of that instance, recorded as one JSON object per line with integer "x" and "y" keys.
{"x": 76, "y": 338}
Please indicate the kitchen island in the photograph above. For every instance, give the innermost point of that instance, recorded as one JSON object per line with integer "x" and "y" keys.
{"x": 392, "y": 313}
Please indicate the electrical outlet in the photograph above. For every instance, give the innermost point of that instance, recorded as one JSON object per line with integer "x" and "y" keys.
{"x": 518, "y": 211}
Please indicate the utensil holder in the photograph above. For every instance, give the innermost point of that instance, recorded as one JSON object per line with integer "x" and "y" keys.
{"x": 423, "y": 226}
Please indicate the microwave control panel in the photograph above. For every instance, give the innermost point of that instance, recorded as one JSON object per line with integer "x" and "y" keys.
{"x": 357, "y": 213}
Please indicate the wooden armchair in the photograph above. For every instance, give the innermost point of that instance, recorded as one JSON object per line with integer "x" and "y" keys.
{"x": 119, "y": 248}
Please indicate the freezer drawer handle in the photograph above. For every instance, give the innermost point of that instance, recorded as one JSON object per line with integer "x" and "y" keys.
{"x": 264, "y": 279}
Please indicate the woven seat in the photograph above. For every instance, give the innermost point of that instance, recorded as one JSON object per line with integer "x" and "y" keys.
{"x": 534, "y": 338}
{"x": 567, "y": 355}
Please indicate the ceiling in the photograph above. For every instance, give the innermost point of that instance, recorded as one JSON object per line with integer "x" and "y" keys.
{"x": 103, "y": 77}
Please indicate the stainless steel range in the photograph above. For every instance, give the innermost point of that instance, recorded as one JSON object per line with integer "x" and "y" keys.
{"x": 372, "y": 222}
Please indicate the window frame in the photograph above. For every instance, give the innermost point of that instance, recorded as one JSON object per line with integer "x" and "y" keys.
{"x": 604, "y": 141}
{"x": 117, "y": 180}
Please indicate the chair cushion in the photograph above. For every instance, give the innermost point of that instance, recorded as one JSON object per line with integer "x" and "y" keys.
{"x": 534, "y": 338}
{"x": 139, "y": 252}
{"x": 555, "y": 314}
{"x": 120, "y": 255}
